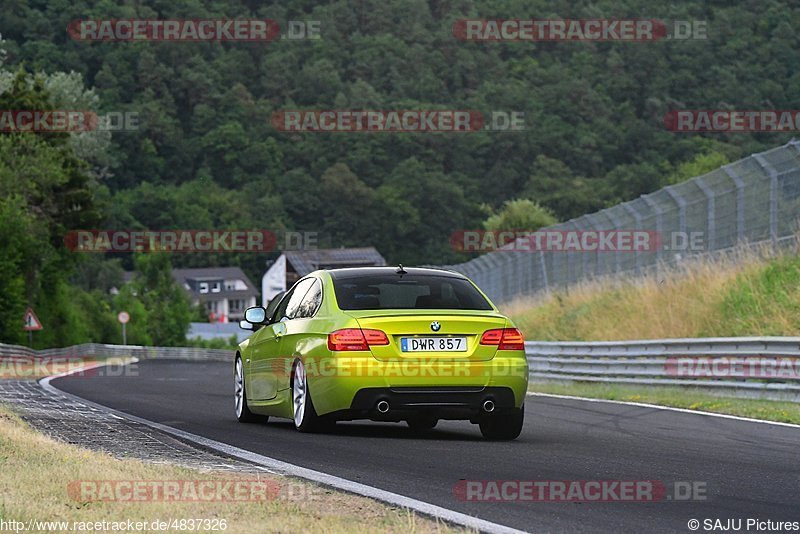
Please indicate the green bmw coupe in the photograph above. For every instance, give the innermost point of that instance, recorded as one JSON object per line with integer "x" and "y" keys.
{"x": 386, "y": 344}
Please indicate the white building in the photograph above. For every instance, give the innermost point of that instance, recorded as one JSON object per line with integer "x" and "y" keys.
{"x": 225, "y": 292}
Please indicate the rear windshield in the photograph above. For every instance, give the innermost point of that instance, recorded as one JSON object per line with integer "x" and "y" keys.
{"x": 413, "y": 292}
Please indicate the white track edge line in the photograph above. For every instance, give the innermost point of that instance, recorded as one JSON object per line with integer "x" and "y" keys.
{"x": 285, "y": 468}
{"x": 662, "y": 407}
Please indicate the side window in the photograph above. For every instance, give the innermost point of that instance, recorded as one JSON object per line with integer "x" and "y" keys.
{"x": 311, "y": 302}
{"x": 273, "y": 305}
{"x": 280, "y": 311}
{"x": 295, "y": 299}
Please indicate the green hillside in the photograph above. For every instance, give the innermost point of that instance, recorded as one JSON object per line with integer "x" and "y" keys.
{"x": 206, "y": 155}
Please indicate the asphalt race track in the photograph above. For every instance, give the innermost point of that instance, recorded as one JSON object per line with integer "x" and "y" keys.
{"x": 751, "y": 470}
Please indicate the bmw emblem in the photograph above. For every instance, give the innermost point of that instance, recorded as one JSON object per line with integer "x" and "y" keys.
{"x": 435, "y": 326}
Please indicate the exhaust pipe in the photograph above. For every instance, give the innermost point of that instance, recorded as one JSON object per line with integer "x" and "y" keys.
{"x": 383, "y": 406}
{"x": 488, "y": 406}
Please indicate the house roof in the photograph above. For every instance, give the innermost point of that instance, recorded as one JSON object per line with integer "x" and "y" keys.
{"x": 216, "y": 273}
{"x": 306, "y": 261}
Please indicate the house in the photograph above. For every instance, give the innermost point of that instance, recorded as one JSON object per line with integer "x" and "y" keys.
{"x": 294, "y": 264}
{"x": 224, "y": 292}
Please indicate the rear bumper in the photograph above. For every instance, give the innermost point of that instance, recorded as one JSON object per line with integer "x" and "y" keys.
{"x": 436, "y": 402}
{"x": 353, "y": 386}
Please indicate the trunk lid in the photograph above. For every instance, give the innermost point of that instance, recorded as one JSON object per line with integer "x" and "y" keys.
{"x": 415, "y": 327}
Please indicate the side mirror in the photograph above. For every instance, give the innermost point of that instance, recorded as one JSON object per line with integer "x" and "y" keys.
{"x": 244, "y": 325}
{"x": 255, "y": 315}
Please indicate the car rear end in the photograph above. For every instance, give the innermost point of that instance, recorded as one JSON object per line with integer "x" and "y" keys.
{"x": 420, "y": 343}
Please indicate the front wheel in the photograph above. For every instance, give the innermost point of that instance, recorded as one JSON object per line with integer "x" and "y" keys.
{"x": 243, "y": 413}
{"x": 503, "y": 427}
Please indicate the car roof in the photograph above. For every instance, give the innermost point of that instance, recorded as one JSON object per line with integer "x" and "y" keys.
{"x": 356, "y": 272}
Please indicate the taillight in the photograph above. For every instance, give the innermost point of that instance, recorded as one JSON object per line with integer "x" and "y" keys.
{"x": 355, "y": 339}
{"x": 512, "y": 340}
{"x": 347, "y": 339}
{"x": 375, "y": 337}
{"x": 492, "y": 337}
{"x": 504, "y": 338}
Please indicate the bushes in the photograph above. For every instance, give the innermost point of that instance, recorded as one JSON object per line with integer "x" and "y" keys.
{"x": 215, "y": 343}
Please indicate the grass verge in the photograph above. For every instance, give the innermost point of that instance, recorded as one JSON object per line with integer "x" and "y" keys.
{"x": 784, "y": 412}
{"x": 36, "y": 472}
{"x": 748, "y": 295}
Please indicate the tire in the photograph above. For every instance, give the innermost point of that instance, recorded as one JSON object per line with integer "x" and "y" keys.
{"x": 303, "y": 413}
{"x": 422, "y": 423}
{"x": 503, "y": 427}
{"x": 243, "y": 413}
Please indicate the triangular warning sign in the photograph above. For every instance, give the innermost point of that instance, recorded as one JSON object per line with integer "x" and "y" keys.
{"x": 31, "y": 321}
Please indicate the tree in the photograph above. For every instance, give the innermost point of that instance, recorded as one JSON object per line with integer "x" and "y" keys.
{"x": 348, "y": 206}
{"x": 520, "y": 214}
{"x": 168, "y": 308}
{"x": 553, "y": 184}
{"x": 711, "y": 156}
{"x": 45, "y": 192}
{"x": 422, "y": 207}
{"x": 17, "y": 240}
{"x": 138, "y": 328}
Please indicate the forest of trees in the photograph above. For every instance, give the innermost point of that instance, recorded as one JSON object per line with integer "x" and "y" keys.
{"x": 206, "y": 155}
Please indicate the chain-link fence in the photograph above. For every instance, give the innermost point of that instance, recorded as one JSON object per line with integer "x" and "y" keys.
{"x": 751, "y": 201}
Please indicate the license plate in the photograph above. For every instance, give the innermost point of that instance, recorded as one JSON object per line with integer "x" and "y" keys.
{"x": 433, "y": 344}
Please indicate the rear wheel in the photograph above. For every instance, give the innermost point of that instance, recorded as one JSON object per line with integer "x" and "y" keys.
{"x": 503, "y": 427}
{"x": 243, "y": 413}
{"x": 303, "y": 412}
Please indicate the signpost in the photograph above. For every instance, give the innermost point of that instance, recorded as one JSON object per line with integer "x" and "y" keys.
{"x": 123, "y": 317}
{"x": 31, "y": 323}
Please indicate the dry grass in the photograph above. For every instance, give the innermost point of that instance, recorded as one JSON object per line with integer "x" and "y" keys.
{"x": 35, "y": 472}
{"x": 738, "y": 296}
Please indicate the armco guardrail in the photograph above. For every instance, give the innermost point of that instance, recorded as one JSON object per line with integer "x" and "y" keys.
{"x": 98, "y": 350}
{"x": 759, "y": 367}
{"x": 730, "y": 366}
